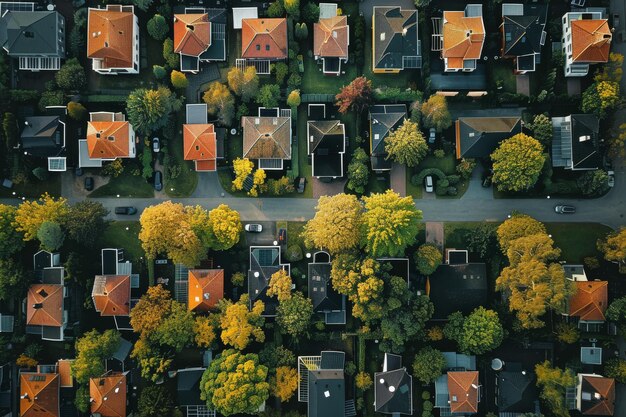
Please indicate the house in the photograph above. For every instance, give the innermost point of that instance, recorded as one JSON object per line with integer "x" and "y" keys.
{"x": 586, "y": 40}
{"x": 384, "y": 118}
{"x": 188, "y": 392}
{"x": 588, "y": 305}
{"x": 107, "y": 395}
{"x": 264, "y": 39}
{"x": 322, "y": 384}
{"x": 458, "y": 390}
{"x": 478, "y": 137}
{"x": 205, "y": 288}
{"x": 393, "y": 390}
{"x": 591, "y": 355}
{"x": 395, "y": 44}
{"x": 462, "y": 37}
{"x": 576, "y": 142}
{"x": 457, "y": 285}
{"x": 331, "y": 37}
{"x": 203, "y": 143}
{"x": 109, "y": 136}
{"x": 39, "y": 393}
{"x": 113, "y": 40}
{"x": 594, "y": 395}
{"x": 264, "y": 262}
{"x": 44, "y": 137}
{"x": 523, "y": 34}
{"x": 199, "y": 36}
{"x": 326, "y": 143}
{"x": 35, "y": 38}
{"x": 240, "y": 13}
{"x": 267, "y": 137}
{"x": 64, "y": 369}
{"x": 325, "y": 299}
{"x": 516, "y": 390}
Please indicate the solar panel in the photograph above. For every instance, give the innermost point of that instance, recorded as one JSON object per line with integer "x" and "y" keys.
{"x": 57, "y": 164}
{"x": 266, "y": 257}
{"x": 16, "y": 7}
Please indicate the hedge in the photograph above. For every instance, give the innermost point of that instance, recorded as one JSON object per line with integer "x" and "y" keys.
{"x": 106, "y": 98}
{"x": 418, "y": 179}
{"x": 395, "y": 94}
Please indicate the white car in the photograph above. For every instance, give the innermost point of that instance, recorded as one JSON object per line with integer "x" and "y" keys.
{"x": 428, "y": 183}
{"x": 253, "y": 228}
{"x": 611, "y": 178}
{"x": 432, "y": 135}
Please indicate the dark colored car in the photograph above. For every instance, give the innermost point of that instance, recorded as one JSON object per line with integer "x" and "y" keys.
{"x": 301, "y": 185}
{"x": 158, "y": 181}
{"x": 564, "y": 209}
{"x": 282, "y": 236}
{"x": 88, "y": 183}
{"x": 79, "y": 172}
{"x": 126, "y": 210}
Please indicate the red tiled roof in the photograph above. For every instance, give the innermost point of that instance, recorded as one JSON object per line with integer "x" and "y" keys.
{"x": 40, "y": 394}
{"x": 463, "y": 38}
{"x": 590, "y": 301}
{"x": 45, "y": 305}
{"x": 200, "y": 144}
{"x": 591, "y": 40}
{"x": 192, "y": 33}
{"x": 606, "y": 388}
{"x": 108, "y": 395}
{"x": 330, "y": 37}
{"x": 64, "y": 369}
{"x": 111, "y": 295}
{"x": 110, "y": 37}
{"x": 205, "y": 281}
{"x": 108, "y": 140}
{"x": 463, "y": 396}
{"x": 264, "y": 38}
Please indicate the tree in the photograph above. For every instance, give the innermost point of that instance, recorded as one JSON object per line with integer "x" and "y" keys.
{"x": 13, "y": 280}
{"x": 617, "y": 311}
{"x": 51, "y": 98}
{"x": 363, "y": 381}
{"x": 405, "y": 317}
{"x": 428, "y": 258}
{"x": 11, "y": 241}
{"x": 157, "y": 27}
{"x": 242, "y": 169}
{"x": 148, "y": 314}
{"x": 310, "y": 12}
{"x": 159, "y": 72}
{"x": 517, "y": 163}
{"x": 30, "y": 215}
{"x": 142, "y": 4}
{"x": 226, "y": 227}
{"x": 10, "y": 129}
{"x": 285, "y": 383}
{"x": 406, "y": 144}
{"x": 389, "y": 224}
{"x": 538, "y": 247}
{"x": 601, "y": 97}
{"x": 435, "y": 113}
{"x": 91, "y": 351}
{"x": 235, "y": 383}
{"x": 280, "y": 286}
{"x": 293, "y": 8}
{"x": 243, "y": 83}
{"x": 358, "y": 172}
{"x": 335, "y": 225}
{"x": 155, "y": 401}
{"x": 567, "y": 333}
{"x": 71, "y": 75}
{"x": 268, "y": 95}
{"x": 301, "y": 31}
{"x": 76, "y": 110}
{"x": 276, "y": 9}
{"x": 294, "y": 314}
{"x": 179, "y": 80}
{"x": 148, "y": 110}
{"x": 171, "y": 58}
{"x": 274, "y": 356}
{"x": 616, "y": 368}
{"x": 614, "y": 246}
{"x": 355, "y": 96}
{"x": 220, "y": 102}
{"x": 281, "y": 71}
{"x": 293, "y": 100}
{"x": 453, "y": 329}
{"x": 176, "y": 329}
{"x": 481, "y": 240}
{"x": 519, "y": 225}
{"x": 542, "y": 129}
{"x": 205, "y": 332}
{"x": 612, "y": 70}
{"x": 593, "y": 183}
{"x": 240, "y": 325}
{"x": 482, "y": 332}
{"x": 428, "y": 365}
{"x": 553, "y": 382}
{"x": 50, "y": 236}
{"x": 85, "y": 223}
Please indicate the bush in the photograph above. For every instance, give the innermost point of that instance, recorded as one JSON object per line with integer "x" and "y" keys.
{"x": 179, "y": 80}
{"x": 76, "y": 111}
{"x": 51, "y": 98}
{"x": 238, "y": 279}
{"x": 24, "y": 96}
{"x": 425, "y": 395}
{"x": 294, "y": 81}
{"x": 439, "y": 153}
{"x": 159, "y": 72}
{"x": 350, "y": 368}
{"x": 281, "y": 70}
{"x": 465, "y": 167}
{"x": 452, "y": 191}
{"x": 276, "y": 9}
{"x": 395, "y": 94}
{"x": 591, "y": 263}
{"x": 427, "y": 406}
{"x": 453, "y": 179}
{"x": 418, "y": 179}
{"x": 441, "y": 191}
{"x": 294, "y": 253}
{"x": 443, "y": 183}
{"x": 71, "y": 76}
{"x": 157, "y": 27}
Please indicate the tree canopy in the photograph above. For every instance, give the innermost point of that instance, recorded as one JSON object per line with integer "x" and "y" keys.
{"x": 31, "y": 215}
{"x": 428, "y": 258}
{"x": 285, "y": 383}
{"x": 241, "y": 326}
{"x": 517, "y": 163}
{"x": 406, "y": 144}
{"x": 220, "y": 102}
{"x": 553, "y": 382}
{"x": 148, "y": 110}
{"x": 482, "y": 332}
{"x": 243, "y": 83}
{"x": 50, "y": 236}
{"x": 13, "y": 279}
{"x": 355, "y": 96}
{"x": 92, "y": 348}
{"x": 335, "y": 226}
{"x": 11, "y": 241}
{"x": 519, "y": 225}
{"x": 280, "y": 285}
{"x": 293, "y": 314}
{"x": 614, "y": 246}
{"x": 71, "y": 75}
{"x": 435, "y": 113}
{"x": 358, "y": 171}
{"x": 428, "y": 365}
{"x": 84, "y": 222}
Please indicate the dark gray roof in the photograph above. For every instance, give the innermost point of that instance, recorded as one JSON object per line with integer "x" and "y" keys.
{"x": 395, "y": 36}
{"x": 44, "y": 259}
{"x": 217, "y": 50}
{"x": 523, "y": 34}
{"x": 478, "y": 137}
{"x": 30, "y": 33}
{"x": 110, "y": 259}
{"x": 326, "y": 144}
{"x": 43, "y": 136}
{"x": 327, "y": 393}
{"x": 571, "y": 270}
{"x": 460, "y": 287}
{"x": 321, "y": 291}
{"x": 265, "y": 261}
{"x": 383, "y": 119}
{"x": 575, "y": 143}
{"x": 517, "y": 391}
{"x": 393, "y": 390}
{"x": 188, "y": 386}
{"x": 122, "y": 350}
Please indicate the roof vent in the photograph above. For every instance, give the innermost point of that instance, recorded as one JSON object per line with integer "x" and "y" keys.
{"x": 101, "y": 382}
{"x": 43, "y": 293}
{"x": 37, "y": 306}
{"x": 91, "y": 400}
{"x": 404, "y": 31}
{"x": 274, "y": 121}
{"x": 382, "y": 36}
{"x": 392, "y": 388}
{"x": 327, "y": 394}
{"x": 584, "y": 138}
{"x": 190, "y": 27}
{"x": 25, "y": 396}
{"x": 105, "y": 398}
{"x": 97, "y": 135}
{"x": 106, "y": 44}
{"x": 26, "y": 123}
{"x": 206, "y": 296}
{"x": 381, "y": 380}
{"x": 454, "y": 399}
{"x": 311, "y": 138}
{"x": 117, "y": 389}
{"x": 474, "y": 386}
{"x": 471, "y": 134}
{"x": 257, "y": 121}
{"x": 111, "y": 138}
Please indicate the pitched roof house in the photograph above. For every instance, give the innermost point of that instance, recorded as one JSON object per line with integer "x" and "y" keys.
{"x": 111, "y": 295}
{"x": 384, "y": 118}
{"x": 44, "y": 137}
{"x": 39, "y": 394}
{"x": 478, "y": 137}
{"x": 264, "y": 38}
{"x": 113, "y": 40}
{"x": 523, "y": 34}
{"x": 325, "y": 299}
{"x": 188, "y": 392}
{"x": 35, "y": 38}
{"x": 576, "y": 142}
{"x": 264, "y": 262}
{"x": 395, "y": 44}
{"x": 516, "y": 390}
{"x": 393, "y": 390}
{"x": 109, "y": 136}
{"x": 458, "y": 390}
{"x": 108, "y": 395}
{"x": 200, "y": 139}
{"x": 326, "y": 144}
{"x": 199, "y": 36}
{"x": 267, "y": 137}
{"x": 45, "y": 308}
{"x": 586, "y": 40}
{"x": 589, "y": 303}
{"x": 322, "y": 384}
{"x": 595, "y": 395}
{"x": 463, "y": 36}
{"x": 331, "y": 37}
{"x": 205, "y": 287}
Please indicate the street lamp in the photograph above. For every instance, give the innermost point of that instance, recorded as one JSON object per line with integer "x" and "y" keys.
{"x": 548, "y": 197}
{"x": 118, "y": 196}
{"x": 308, "y": 254}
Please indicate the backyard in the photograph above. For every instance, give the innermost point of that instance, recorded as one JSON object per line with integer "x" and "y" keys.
{"x": 186, "y": 181}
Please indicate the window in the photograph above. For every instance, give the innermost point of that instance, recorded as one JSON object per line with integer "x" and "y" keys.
{"x": 258, "y": 47}
{"x": 267, "y": 47}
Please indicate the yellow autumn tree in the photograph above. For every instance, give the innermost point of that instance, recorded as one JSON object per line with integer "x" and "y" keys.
{"x": 519, "y": 225}
{"x": 24, "y": 361}
{"x": 280, "y": 285}
{"x": 205, "y": 331}
{"x": 336, "y": 224}
{"x": 363, "y": 381}
{"x": 285, "y": 383}
{"x": 31, "y": 215}
{"x": 225, "y": 227}
{"x": 614, "y": 246}
{"x": 258, "y": 179}
{"x": 240, "y": 325}
{"x": 242, "y": 168}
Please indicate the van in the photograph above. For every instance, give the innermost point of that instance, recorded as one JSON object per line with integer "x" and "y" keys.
{"x": 428, "y": 183}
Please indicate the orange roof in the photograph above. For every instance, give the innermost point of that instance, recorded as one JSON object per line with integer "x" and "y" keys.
{"x": 209, "y": 165}
{"x": 192, "y": 33}
{"x": 108, "y": 140}
{"x": 108, "y": 395}
{"x": 590, "y": 301}
{"x": 199, "y": 142}
{"x": 463, "y": 38}
{"x": 591, "y": 40}
{"x": 64, "y": 369}
{"x": 605, "y": 406}
{"x": 463, "y": 396}
{"x": 111, "y": 295}
{"x": 45, "y": 305}
{"x": 205, "y": 288}
{"x": 330, "y": 37}
{"x": 110, "y": 37}
{"x": 264, "y": 38}
{"x": 40, "y": 394}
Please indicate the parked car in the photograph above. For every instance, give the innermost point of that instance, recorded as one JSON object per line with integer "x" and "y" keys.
{"x": 428, "y": 183}
{"x": 158, "y": 180}
{"x": 487, "y": 181}
{"x": 78, "y": 172}
{"x": 253, "y": 228}
{"x": 88, "y": 183}
{"x": 564, "y": 209}
{"x": 128, "y": 210}
{"x": 615, "y": 20}
{"x": 432, "y": 135}
{"x": 301, "y": 185}
{"x": 611, "y": 178}
{"x": 156, "y": 145}
{"x": 282, "y": 236}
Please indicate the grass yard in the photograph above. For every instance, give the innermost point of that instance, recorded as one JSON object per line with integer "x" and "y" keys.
{"x": 378, "y": 183}
{"x": 503, "y": 71}
{"x": 126, "y": 185}
{"x": 116, "y": 236}
{"x": 305, "y": 168}
{"x": 34, "y": 188}
{"x": 315, "y": 82}
{"x": 454, "y": 232}
{"x": 577, "y": 240}
{"x": 185, "y": 183}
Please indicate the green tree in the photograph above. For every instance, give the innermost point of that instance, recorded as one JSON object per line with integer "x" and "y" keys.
{"x": 76, "y": 110}
{"x": 310, "y": 12}
{"x": 614, "y": 246}
{"x": 274, "y": 356}
{"x": 235, "y": 383}
{"x": 281, "y": 70}
{"x": 179, "y": 80}
{"x": 335, "y": 225}
{"x": 428, "y": 365}
{"x": 593, "y": 183}
{"x": 148, "y": 110}
{"x": 85, "y": 222}
{"x": 358, "y": 171}
{"x": 553, "y": 382}
{"x": 600, "y": 97}
{"x": 243, "y": 83}
{"x": 10, "y": 129}
{"x": 13, "y": 280}
{"x": 71, "y": 76}
{"x": 359, "y": 281}
{"x": 293, "y": 8}
{"x": 91, "y": 351}
{"x": 155, "y": 401}
{"x": 172, "y": 59}
{"x": 542, "y": 129}
{"x": 268, "y": 96}
{"x": 159, "y": 72}
{"x": 616, "y": 368}
{"x": 617, "y": 311}
{"x": 389, "y": 224}
{"x": 453, "y": 330}
{"x": 406, "y": 144}
{"x": 517, "y": 163}
{"x": 482, "y": 332}
{"x": 11, "y": 241}
{"x": 481, "y": 240}
{"x": 428, "y": 258}
{"x": 612, "y": 70}
{"x": 142, "y": 4}
{"x": 355, "y": 96}
{"x": 51, "y": 236}
{"x": 51, "y": 98}
{"x": 405, "y": 316}
{"x": 220, "y": 102}
{"x": 519, "y": 225}
{"x": 276, "y": 9}
{"x": 158, "y": 27}
{"x": 293, "y": 315}
{"x": 435, "y": 113}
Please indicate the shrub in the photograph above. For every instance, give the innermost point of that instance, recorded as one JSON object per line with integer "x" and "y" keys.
{"x": 425, "y": 395}
{"x": 465, "y": 167}
{"x": 294, "y": 253}
{"x": 427, "y": 406}
{"x": 179, "y": 80}
{"x": 24, "y": 96}
{"x": 157, "y": 27}
{"x": 435, "y": 334}
{"x": 591, "y": 263}
{"x": 159, "y": 72}
{"x": 441, "y": 191}
{"x": 294, "y": 81}
{"x": 363, "y": 381}
{"x": 443, "y": 183}
{"x": 453, "y": 179}
{"x": 76, "y": 111}
{"x": 71, "y": 76}
{"x": 238, "y": 279}
{"x": 395, "y": 94}
{"x": 51, "y": 98}
{"x": 276, "y": 9}
{"x": 281, "y": 70}
{"x": 350, "y": 368}
{"x": 439, "y": 153}
{"x": 452, "y": 191}
{"x": 418, "y": 179}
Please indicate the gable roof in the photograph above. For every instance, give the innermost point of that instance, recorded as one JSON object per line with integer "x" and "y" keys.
{"x": 395, "y": 36}
{"x": 108, "y": 140}
{"x": 478, "y": 137}
{"x": 320, "y": 290}
{"x": 31, "y": 33}
{"x": 517, "y": 391}
{"x": 463, "y": 38}
{"x": 523, "y": 35}
{"x": 393, "y": 392}
{"x": 331, "y": 37}
{"x": 43, "y": 135}
{"x": 326, "y": 144}
{"x": 459, "y": 287}
{"x": 199, "y": 142}
{"x": 188, "y": 387}
{"x": 266, "y": 137}
{"x": 64, "y": 369}
{"x": 576, "y": 142}
{"x": 109, "y": 395}
{"x": 264, "y": 38}
{"x": 45, "y": 305}
{"x": 590, "y": 301}
{"x": 205, "y": 288}
{"x": 111, "y": 295}
{"x": 192, "y": 33}
{"x": 264, "y": 262}
{"x": 600, "y": 398}
{"x": 41, "y": 397}
{"x": 114, "y": 36}
{"x": 383, "y": 119}
{"x": 463, "y": 396}
{"x": 591, "y": 40}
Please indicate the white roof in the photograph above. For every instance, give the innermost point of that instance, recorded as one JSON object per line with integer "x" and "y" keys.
{"x": 240, "y": 13}
{"x": 83, "y": 156}
{"x": 328, "y": 10}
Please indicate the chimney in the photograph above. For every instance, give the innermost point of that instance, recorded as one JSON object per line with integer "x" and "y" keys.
{"x": 25, "y": 396}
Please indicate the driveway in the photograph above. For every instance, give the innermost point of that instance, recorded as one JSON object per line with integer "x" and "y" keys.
{"x": 435, "y": 234}
{"x": 397, "y": 178}
{"x": 266, "y": 237}
{"x": 327, "y": 188}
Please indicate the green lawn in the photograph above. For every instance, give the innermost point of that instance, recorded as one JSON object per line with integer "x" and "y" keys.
{"x": 315, "y": 82}
{"x": 34, "y": 188}
{"x": 116, "y": 236}
{"x": 503, "y": 71}
{"x": 185, "y": 183}
{"x": 126, "y": 185}
{"x": 376, "y": 185}
{"x": 454, "y": 232}
{"x": 577, "y": 240}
